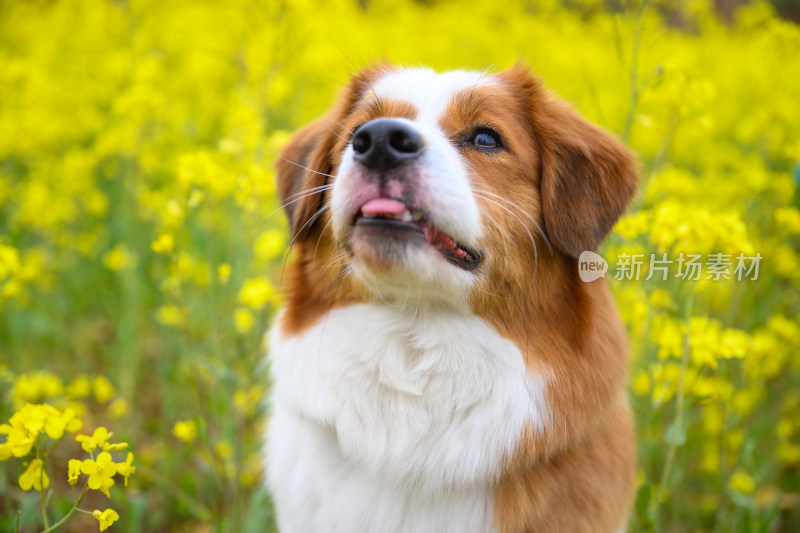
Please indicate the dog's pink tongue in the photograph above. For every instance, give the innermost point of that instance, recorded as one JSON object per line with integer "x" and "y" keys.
{"x": 383, "y": 205}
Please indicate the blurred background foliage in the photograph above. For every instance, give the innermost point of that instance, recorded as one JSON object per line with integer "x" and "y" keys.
{"x": 142, "y": 246}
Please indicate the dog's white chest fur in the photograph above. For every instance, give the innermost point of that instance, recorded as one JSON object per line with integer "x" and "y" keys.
{"x": 389, "y": 420}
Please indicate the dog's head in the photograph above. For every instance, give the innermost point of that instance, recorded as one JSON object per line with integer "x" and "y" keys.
{"x": 443, "y": 188}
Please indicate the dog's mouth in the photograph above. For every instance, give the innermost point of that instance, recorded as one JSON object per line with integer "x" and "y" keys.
{"x": 390, "y": 214}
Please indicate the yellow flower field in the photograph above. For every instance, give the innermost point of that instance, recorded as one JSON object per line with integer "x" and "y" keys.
{"x": 142, "y": 245}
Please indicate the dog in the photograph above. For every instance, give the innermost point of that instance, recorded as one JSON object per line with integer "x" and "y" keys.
{"x": 438, "y": 365}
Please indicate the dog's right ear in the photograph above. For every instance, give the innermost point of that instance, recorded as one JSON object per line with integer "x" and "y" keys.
{"x": 587, "y": 177}
{"x": 307, "y": 162}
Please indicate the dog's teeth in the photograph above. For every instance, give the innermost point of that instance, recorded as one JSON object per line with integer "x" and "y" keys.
{"x": 408, "y": 215}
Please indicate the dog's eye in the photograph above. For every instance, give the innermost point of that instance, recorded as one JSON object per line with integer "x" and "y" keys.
{"x": 485, "y": 138}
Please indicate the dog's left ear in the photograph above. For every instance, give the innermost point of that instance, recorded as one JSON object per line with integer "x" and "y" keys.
{"x": 587, "y": 176}
{"x": 302, "y": 171}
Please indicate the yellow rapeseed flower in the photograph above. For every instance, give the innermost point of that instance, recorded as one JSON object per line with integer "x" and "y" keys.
{"x": 186, "y": 430}
{"x": 73, "y": 471}
{"x": 710, "y": 460}
{"x": 257, "y": 292}
{"x": 119, "y": 258}
{"x": 103, "y": 389}
{"x": 79, "y": 388}
{"x": 786, "y": 427}
{"x": 164, "y": 244}
{"x": 788, "y": 453}
{"x": 126, "y": 469}
{"x": 668, "y": 333}
{"x": 5, "y": 452}
{"x": 9, "y": 260}
{"x": 632, "y": 225}
{"x": 59, "y": 422}
{"x": 660, "y": 298}
{"x": 101, "y": 472}
{"x": 118, "y": 408}
{"x": 170, "y": 315}
{"x": 106, "y": 518}
{"x": 35, "y": 387}
{"x": 224, "y": 273}
{"x": 34, "y": 477}
{"x": 99, "y": 441}
{"x": 733, "y": 343}
{"x": 704, "y": 339}
{"x": 18, "y": 442}
{"x": 641, "y": 383}
{"x": 742, "y": 482}
{"x": 243, "y": 320}
{"x": 788, "y": 220}
{"x": 270, "y": 244}
{"x": 223, "y": 449}
{"x": 30, "y": 421}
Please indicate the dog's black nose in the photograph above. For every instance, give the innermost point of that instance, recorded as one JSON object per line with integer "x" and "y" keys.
{"x": 383, "y": 144}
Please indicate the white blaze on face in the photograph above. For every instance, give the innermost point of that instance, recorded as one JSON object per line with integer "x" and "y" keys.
{"x": 452, "y": 203}
{"x": 430, "y": 92}
{"x": 443, "y": 188}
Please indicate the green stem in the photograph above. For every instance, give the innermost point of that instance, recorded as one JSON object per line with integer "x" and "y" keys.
{"x": 41, "y": 449}
{"x": 70, "y": 513}
{"x": 53, "y": 447}
{"x": 44, "y": 508}
{"x": 677, "y": 424}
{"x": 633, "y": 98}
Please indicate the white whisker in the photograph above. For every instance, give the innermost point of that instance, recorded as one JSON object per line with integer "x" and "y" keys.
{"x": 530, "y": 235}
{"x": 523, "y": 212}
{"x": 300, "y": 196}
{"x": 306, "y": 168}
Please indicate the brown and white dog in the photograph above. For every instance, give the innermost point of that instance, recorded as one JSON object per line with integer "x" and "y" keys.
{"x": 438, "y": 365}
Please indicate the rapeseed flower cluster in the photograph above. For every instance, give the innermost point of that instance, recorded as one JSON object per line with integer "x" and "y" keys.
{"x": 33, "y": 432}
{"x": 142, "y": 245}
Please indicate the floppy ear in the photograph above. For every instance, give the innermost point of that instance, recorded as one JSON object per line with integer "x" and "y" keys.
{"x": 307, "y": 161}
{"x": 587, "y": 177}
{"x": 302, "y": 169}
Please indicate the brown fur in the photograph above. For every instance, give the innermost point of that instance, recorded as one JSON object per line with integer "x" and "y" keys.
{"x": 574, "y": 180}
